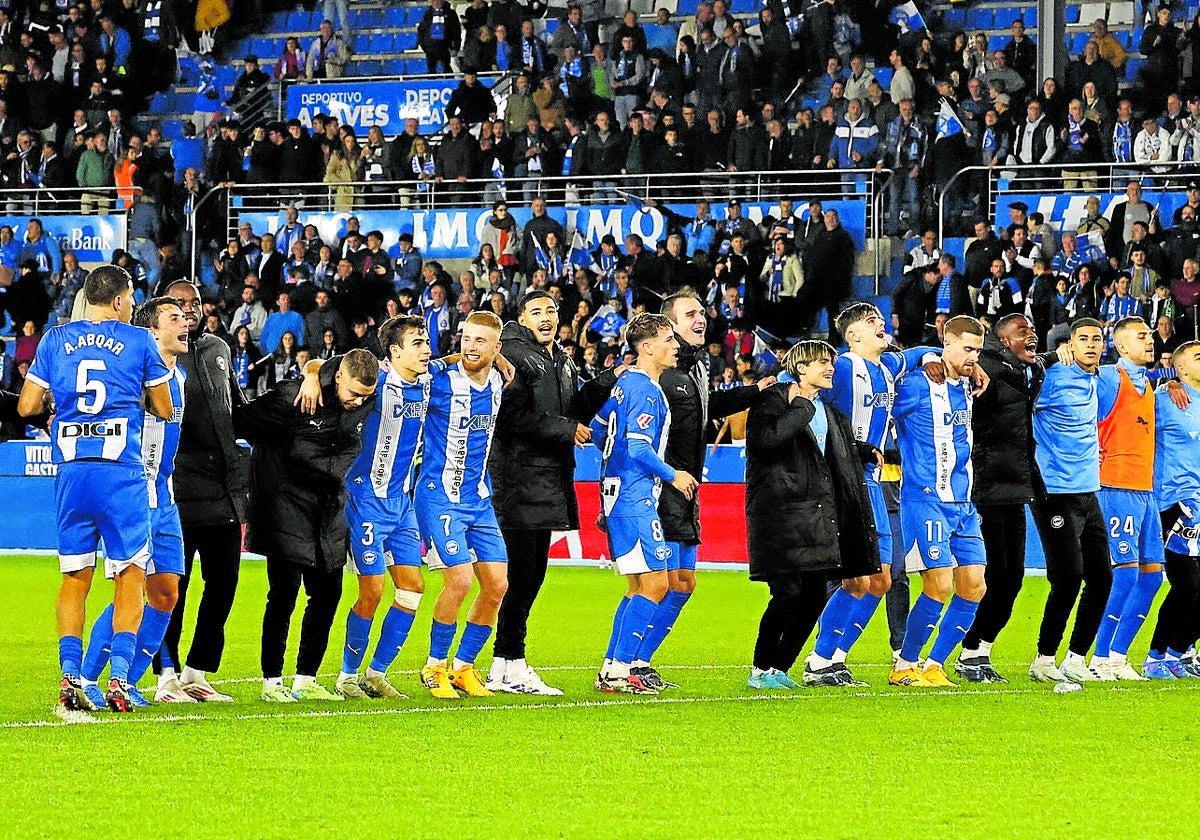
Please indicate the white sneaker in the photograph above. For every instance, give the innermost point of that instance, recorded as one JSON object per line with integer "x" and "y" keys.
{"x": 1102, "y": 667}
{"x": 203, "y": 692}
{"x": 495, "y": 680}
{"x": 172, "y": 691}
{"x": 1122, "y": 670}
{"x": 527, "y": 681}
{"x": 1078, "y": 671}
{"x": 1046, "y": 673}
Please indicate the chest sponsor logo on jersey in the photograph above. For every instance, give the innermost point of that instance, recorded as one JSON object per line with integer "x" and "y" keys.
{"x": 476, "y": 423}
{"x": 961, "y": 417}
{"x": 408, "y": 411}
{"x": 884, "y": 399}
{"x": 99, "y": 429}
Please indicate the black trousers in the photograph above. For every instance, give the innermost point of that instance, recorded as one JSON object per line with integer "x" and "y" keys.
{"x": 528, "y": 553}
{"x": 1075, "y": 541}
{"x": 1178, "y": 624}
{"x": 220, "y": 550}
{"x": 324, "y": 590}
{"x": 792, "y": 613}
{"x": 1003, "y": 529}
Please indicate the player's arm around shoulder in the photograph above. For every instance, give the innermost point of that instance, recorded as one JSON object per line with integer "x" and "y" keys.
{"x": 272, "y": 413}
{"x": 777, "y": 419}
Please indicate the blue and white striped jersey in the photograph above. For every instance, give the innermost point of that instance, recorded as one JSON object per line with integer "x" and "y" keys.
{"x": 935, "y": 436}
{"x": 160, "y": 442}
{"x": 865, "y": 391}
{"x": 391, "y": 436}
{"x": 97, "y": 372}
{"x": 458, "y": 432}
{"x": 631, "y": 431}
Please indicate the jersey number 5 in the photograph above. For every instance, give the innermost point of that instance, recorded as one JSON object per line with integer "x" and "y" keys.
{"x": 85, "y": 385}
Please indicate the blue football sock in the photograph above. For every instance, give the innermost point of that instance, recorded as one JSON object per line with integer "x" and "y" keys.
{"x": 149, "y": 639}
{"x": 1174, "y": 654}
{"x": 664, "y": 619}
{"x": 834, "y": 619}
{"x": 1124, "y": 579}
{"x": 473, "y": 639}
{"x": 953, "y": 628}
{"x": 1137, "y": 607}
{"x": 638, "y": 617}
{"x": 392, "y": 637}
{"x": 358, "y": 632}
{"x": 124, "y": 645}
{"x": 616, "y": 628}
{"x": 864, "y": 608}
{"x": 922, "y": 619}
{"x": 99, "y": 646}
{"x": 164, "y": 658}
{"x": 440, "y": 638}
{"x": 70, "y": 654}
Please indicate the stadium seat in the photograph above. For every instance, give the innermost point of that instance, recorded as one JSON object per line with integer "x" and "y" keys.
{"x": 405, "y": 41}
{"x": 396, "y": 16}
{"x": 1031, "y": 18}
{"x": 1078, "y": 41}
{"x": 382, "y": 43}
{"x": 1089, "y": 12}
{"x": 744, "y": 7}
{"x": 687, "y": 7}
{"x": 415, "y": 13}
{"x": 362, "y": 44}
{"x": 393, "y": 67}
{"x": 1004, "y": 18}
{"x": 172, "y": 130}
{"x": 416, "y": 66}
{"x": 997, "y": 42}
{"x": 1120, "y": 14}
{"x": 1071, "y": 14}
{"x": 884, "y": 76}
{"x": 298, "y": 22}
{"x": 1132, "y": 66}
{"x": 979, "y": 19}
{"x": 954, "y": 19}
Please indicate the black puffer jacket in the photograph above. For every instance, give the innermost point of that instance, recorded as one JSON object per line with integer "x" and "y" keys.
{"x": 212, "y": 473}
{"x": 691, "y": 403}
{"x": 300, "y": 463}
{"x": 532, "y": 462}
{"x": 806, "y": 511}
{"x": 1002, "y": 422}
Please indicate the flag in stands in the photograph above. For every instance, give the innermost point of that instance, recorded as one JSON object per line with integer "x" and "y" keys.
{"x": 763, "y": 354}
{"x": 908, "y": 17}
{"x": 498, "y": 174}
{"x": 579, "y": 256}
{"x": 948, "y": 123}
{"x": 608, "y": 322}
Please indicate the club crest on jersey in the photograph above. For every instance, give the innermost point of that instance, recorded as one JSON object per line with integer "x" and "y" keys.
{"x": 1122, "y": 547}
{"x": 934, "y": 552}
{"x": 451, "y": 547}
{"x": 644, "y": 420}
{"x": 662, "y": 552}
{"x": 369, "y": 557}
{"x": 1057, "y": 522}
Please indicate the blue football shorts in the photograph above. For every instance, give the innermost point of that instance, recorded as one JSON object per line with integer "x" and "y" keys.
{"x": 383, "y": 533}
{"x": 637, "y": 544}
{"x": 940, "y": 535}
{"x": 459, "y": 532}
{"x": 1181, "y": 527}
{"x": 1134, "y": 525}
{"x": 166, "y": 541}
{"x": 102, "y": 500}
{"x": 681, "y": 557}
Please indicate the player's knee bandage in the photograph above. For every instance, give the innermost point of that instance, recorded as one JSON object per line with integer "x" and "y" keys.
{"x": 407, "y": 600}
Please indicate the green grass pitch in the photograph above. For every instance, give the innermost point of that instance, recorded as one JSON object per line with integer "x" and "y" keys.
{"x": 713, "y": 759}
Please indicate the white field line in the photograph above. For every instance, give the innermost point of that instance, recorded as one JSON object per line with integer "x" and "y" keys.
{"x": 467, "y": 707}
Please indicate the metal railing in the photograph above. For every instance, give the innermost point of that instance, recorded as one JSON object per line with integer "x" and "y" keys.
{"x": 973, "y": 190}
{"x": 67, "y": 201}
{"x": 261, "y": 107}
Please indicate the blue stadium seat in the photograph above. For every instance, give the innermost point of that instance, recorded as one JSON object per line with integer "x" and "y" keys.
{"x": 997, "y": 42}
{"x": 416, "y": 66}
{"x": 954, "y": 19}
{"x": 172, "y": 130}
{"x": 1004, "y": 18}
{"x": 405, "y": 41}
{"x": 298, "y": 22}
{"x": 362, "y": 44}
{"x": 1071, "y": 13}
{"x": 884, "y": 76}
{"x": 744, "y": 7}
{"x": 395, "y": 16}
{"x": 687, "y": 7}
{"x": 393, "y": 67}
{"x": 979, "y": 19}
{"x": 1031, "y": 18}
{"x": 1132, "y": 66}
{"x": 415, "y": 13}
{"x": 382, "y": 43}
{"x": 1079, "y": 41}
